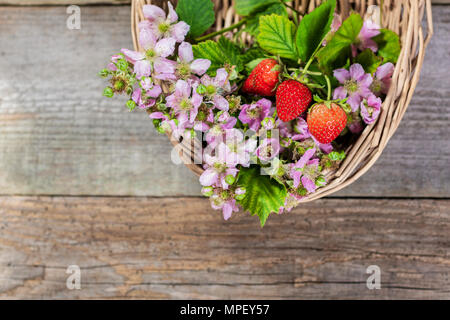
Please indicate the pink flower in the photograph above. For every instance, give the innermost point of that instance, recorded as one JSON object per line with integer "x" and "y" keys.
{"x": 163, "y": 26}
{"x": 154, "y": 56}
{"x": 269, "y": 149}
{"x": 382, "y": 79}
{"x": 370, "y": 109}
{"x": 184, "y": 101}
{"x": 187, "y": 65}
{"x": 216, "y": 88}
{"x": 223, "y": 123}
{"x": 228, "y": 206}
{"x": 238, "y": 147}
{"x": 150, "y": 89}
{"x": 369, "y": 30}
{"x": 253, "y": 114}
{"x": 299, "y": 173}
{"x": 218, "y": 167}
{"x": 355, "y": 85}
{"x": 141, "y": 100}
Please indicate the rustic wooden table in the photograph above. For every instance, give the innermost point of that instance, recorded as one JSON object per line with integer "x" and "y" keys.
{"x": 83, "y": 182}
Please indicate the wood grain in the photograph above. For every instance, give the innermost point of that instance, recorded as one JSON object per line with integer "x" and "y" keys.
{"x": 59, "y": 136}
{"x": 179, "y": 248}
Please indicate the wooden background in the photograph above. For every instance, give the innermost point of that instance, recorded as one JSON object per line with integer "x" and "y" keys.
{"x": 84, "y": 182}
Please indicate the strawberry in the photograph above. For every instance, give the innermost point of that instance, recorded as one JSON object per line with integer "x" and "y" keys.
{"x": 293, "y": 98}
{"x": 326, "y": 121}
{"x": 263, "y": 79}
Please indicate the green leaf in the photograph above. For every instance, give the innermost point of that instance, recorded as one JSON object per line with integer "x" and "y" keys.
{"x": 263, "y": 196}
{"x": 199, "y": 14}
{"x": 247, "y": 7}
{"x": 219, "y": 53}
{"x": 232, "y": 53}
{"x": 276, "y": 35}
{"x": 369, "y": 61}
{"x": 336, "y": 53}
{"x": 252, "y": 24}
{"x": 313, "y": 28}
{"x": 388, "y": 45}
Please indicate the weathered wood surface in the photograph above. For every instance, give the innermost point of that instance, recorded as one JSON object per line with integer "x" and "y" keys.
{"x": 180, "y": 248}
{"x": 59, "y": 136}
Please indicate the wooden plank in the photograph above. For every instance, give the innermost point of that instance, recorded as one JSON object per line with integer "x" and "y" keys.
{"x": 179, "y": 248}
{"x": 59, "y": 136}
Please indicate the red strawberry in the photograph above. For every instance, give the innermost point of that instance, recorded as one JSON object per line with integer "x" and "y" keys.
{"x": 263, "y": 79}
{"x": 293, "y": 98}
{"x": 325, "y": 123}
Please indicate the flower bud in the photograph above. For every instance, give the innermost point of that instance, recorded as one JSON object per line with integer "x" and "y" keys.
{"x": 239, "y": 197}
{"x": 207, "y": 191}
{"x": 229, "y": 179}
{"x": 104, "y": 73}
{"x": 108, "y": 92}
{"x": 201, "y": 89}
{"x": 320, "y": 181}
{"x": 131, "y": 105}
{"x": 122, "y": 65}
{"x": 268, "y": 123}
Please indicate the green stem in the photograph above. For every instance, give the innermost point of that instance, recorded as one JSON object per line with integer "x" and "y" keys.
{"x": 328, "y": 87}
{"x": 213, "y": 34}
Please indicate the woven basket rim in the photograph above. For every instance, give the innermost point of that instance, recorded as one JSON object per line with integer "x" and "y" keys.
{"x": 402, "y": 16}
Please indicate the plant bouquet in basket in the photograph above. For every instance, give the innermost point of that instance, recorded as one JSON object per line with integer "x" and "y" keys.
{"x": 275, "y": 102}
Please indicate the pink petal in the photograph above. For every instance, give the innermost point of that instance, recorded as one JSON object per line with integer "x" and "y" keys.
{"x": 356, "y": 71}
{"x": 221, "y": 77}
{"x": 209, "y": 177}
{"x": 147, "y": 39}
{"x": 145, "y": 24}
{"x": 182, "y": 88}
{"x": 157, "y": 115}
{"x": 308, "y": 184}
{"x": 227, "y": 211}
{"x": 384, "y": 71}
{"x": 154, "y": 92}
{"x": 165, "y": 47}
{"x": 200, "y": 66}
{"x": 142, "y": 68}
{"x": 179, "y": 31}
{"x": 172, "y": 16}
{"x": 342, "y": 75}
{"x": 221, "y": 103}
{"x": 164, "y": 66}
{"x": 185, "y": 52}
{"x": 132, "y": 56}
{"x": 354, "y": 101}
{"x": 339, "y": 93}
{"x": 153, "y": 13}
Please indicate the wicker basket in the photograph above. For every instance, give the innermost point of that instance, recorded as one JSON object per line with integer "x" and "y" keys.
{"x": 402, "y": 16}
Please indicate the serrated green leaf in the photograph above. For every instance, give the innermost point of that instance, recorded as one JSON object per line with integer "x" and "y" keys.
{"x": 232, "y": 53}
{"x": 368, "y": 60}
{"x": 219, "y": 53}
{"x": 388, "y": 45}
{"x": 313, "y": 28}
{"x": 199, "y": 14}
{"x": 252, "y": 24}
{"x": 263, "y": 195}
{"x": 276, "y": 35}
{"x": 336, "y": 53}
{"x": 247, "y": 7}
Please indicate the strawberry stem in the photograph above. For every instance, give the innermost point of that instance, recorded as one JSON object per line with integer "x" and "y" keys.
{"x": 328, "y": 87}
{"x": 213, "y": 34}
